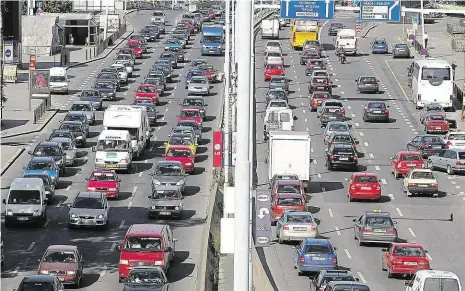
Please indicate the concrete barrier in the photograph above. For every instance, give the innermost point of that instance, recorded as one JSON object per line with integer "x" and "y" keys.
{"x": 40, "y": 110}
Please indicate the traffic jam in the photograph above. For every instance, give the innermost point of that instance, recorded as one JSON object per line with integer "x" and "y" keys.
{"x": 127, "y": 139}
{"x": 318, "y": 158}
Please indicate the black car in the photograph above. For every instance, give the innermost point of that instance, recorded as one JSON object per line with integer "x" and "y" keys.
{"x": 148, "y": 34}
{"x": 341, "y": 156}
{"x": 40, "y": 282}
{"x": 61, "y": 133}
{"x": 78, "y": 130}
{"x": 331, "y": 113}
{"x": 171, "y": 57}
{"x": 320, "y": 84}
{"x": 78, "y": 116}
{"x": 166, "y": 69}
{"x": 51, "y": 149}
{"x": 151, "y": 112}
{"x": 346, "y": 285}
{"x": 320, "y": 281}
{"x": 334, "y": 28}
{"x": 427, "y": 145}
{"x": 146, "y": 278}
{"x": 107, "y": 89}
{"x": 376, "y": 111}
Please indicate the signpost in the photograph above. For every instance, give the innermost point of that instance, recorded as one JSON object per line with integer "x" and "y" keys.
{"x": 380, "y": 11}
{"x": 217, "y": 149}
{"x": 313, "y": 10}
{"x": 262, "y": 219}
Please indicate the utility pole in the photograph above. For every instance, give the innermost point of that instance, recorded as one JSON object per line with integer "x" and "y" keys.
{"x": 422, "y": 16}
{"x": 227, "y": 100}
{"x": 105, "y": 29}
{"x": 234, "y": 65}
{"x": 242, "y": 189}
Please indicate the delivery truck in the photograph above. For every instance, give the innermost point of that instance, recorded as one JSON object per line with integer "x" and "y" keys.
{"x": 270, "y": 28}
{"x": 289, "y": 154}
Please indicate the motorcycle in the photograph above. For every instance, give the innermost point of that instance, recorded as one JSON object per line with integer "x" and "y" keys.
{"x": 342, "y": 58}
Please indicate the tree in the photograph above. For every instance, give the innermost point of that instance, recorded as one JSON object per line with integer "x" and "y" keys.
{"x": 53, "y": 6}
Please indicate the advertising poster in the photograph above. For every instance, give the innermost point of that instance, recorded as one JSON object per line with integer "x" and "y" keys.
{"x": 40, "y": 82}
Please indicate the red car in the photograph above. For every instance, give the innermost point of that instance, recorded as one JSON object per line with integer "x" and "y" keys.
{"x": 404, "y": 161}
{"x": 404, "y": 259}
{"x": 181, "y": 154}
{"x": 364, "y": 186}
{"x": 273, "y": 70}
{"x": 288, "y": 186}
{"x": 285, "y": 201}
{"x": 136, "y": 47}
{"x": 317, "y": 98}
{"x": 436, "y": 123}
{"x": 105, "y": 181}
{"x": 192, "y": 114}
{"x": 190, "y": 23}
{"x": 211, "y": 13}
{"x": 148, "y": 91}
{"x": 209, "y": 72}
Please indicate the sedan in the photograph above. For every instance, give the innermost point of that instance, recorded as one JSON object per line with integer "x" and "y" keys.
{"x": 365, "y": 186}
{"x": 63, "y": 261}
{"x": 195, "y": 102}
{"x": 279, "y": 82}
{"x": 198, "y": 85}
{"x": 166, "y": 201}
{"x": 78, "y": 130}
{"x": 450, "y": 160}
{"x": 294, "y": 226}
{"x": 367, "y": 85}
{"x": 404, "y": 259}
{"x": 376, "y": 110}
{"x": 379, "y": 46}
{"x": 400, "y": 50}
{"x": 145, "y": 278}
{"x": 331, "y": 113}
{"x": 276, "y": 94}
{"x": 427, "y": 145}
{"x": 435, "y": 123}
{"x": 169, "y": 173}
{"x": 86, "y": 107}
{"x": 375, "y": 227}
{"x": 433, "y": 108}
{"x": 104, "y": 181}
{"x": 107, "y": 89}
{"x": 315, "y": 255}
{"x": 89, "y": 209}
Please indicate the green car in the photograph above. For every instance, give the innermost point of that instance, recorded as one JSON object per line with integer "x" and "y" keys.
{"x": 279, "y": 82}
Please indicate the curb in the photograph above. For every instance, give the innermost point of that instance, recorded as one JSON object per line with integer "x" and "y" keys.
{"x": 369, "y": 29}
{"x": 12, "y": 160}
{"x": 32, "y": 131}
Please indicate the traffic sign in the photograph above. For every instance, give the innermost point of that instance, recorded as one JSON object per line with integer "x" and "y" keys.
{"x": 358, "y": 28}
{"x": 380, "y": 11}
{"x": 32, "y": 62}
{"x": 262, "y": 219}
{"x": 217, "y": 149}
{"x": 7, "y": 53}
{"x": 319, "y": 9}
{"x": 415, "y": 20}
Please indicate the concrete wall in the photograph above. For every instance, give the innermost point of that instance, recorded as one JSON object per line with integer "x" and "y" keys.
{"x": 40, "y": 33}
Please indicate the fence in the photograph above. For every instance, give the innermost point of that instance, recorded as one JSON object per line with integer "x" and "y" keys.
{"x": 110, "y": 40}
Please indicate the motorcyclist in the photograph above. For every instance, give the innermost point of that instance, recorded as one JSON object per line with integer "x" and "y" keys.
{"x": 342, "y": 54}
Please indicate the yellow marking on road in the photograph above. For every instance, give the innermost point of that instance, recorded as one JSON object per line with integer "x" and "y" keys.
{"x": 397, "y": 80}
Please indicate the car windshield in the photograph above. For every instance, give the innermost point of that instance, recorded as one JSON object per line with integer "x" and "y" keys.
{"x": 99, "y": 176}
{"x": 90, "y": 93}
{"x": 319, "y": 249}
{"x": 190, "y": 113}
{"x": 206, "y": 68}
{"x": 24, "y": 197}
{"x": 380, "y": 221}
{"x": 168, "y": 170}
{"x": 289, "y": 201}
{"x": 65, "y": 145}
{"x": 133, "y": 45}
{"x": 70, "y": 127}
{"x": 422, "y": 175}
{"x": 434, "y": 108}
{"x": 299, "y": 219}
{"x": 442, "y": 284}
{"x": 141, "y": 244}
{"x": 193, "y": 102}
{"x": 179, "y": 153}
{"x": 277, "y": 94}
{"x": 436, "y": 117}
{"x": 57, "y": 79}
{"x": 342, "y": 138}
{"x": 37, "y": 286}
{"x": 180, "y": 140}
{"x": 278, "y": 80}
{"x": 377, "y": 105}
{"x": 273, "y": 44}
{"x": 198, "y": 81}
{"x": 60, "y": 257}
{"x": 401, "y": 46}
{"x": 459, "y": 136}
{"x": 432, "y": 139}
{"x": 289, "y": 189}
{"x": 45, "y": 151}
{"x": 80, "y": 107}
{"x": 170, "y": 194}
{"x": 146, "y": 277}
{"x": 112, "y": 145}
{"x": 39, "y": 165}
{"x": 411, "y": 158}
{"x": 278, "y": 104}
{"x": 147, "y": 89}
{"x": 195, "y": 73}
{"x": 273, "y": 67}
{"x": 88, "y": 203}
{"x": 366, "y": 179}
{"x": 409, "y": 252}
{"x": 192, "y": 124}
{"x": 368, "y": 80}
{"x": 339, "y": 127}
{"x": 102, "y": 85}
{"x": 320, "y": 95}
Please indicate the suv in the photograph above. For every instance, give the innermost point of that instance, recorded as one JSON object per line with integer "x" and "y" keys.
{"x": 40, "y": 282}
{"x": 320, "y": 281}
{"x": 341, "y": 155}
{"x": 346, "y": 286}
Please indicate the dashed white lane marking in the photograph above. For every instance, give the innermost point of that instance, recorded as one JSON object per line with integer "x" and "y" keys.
{"x": 308, "y": 129}
{"x": 306, "y": 120}
{"x": 348, "y": 107}
{"x": 352, "y": 115}
{"x": 140, "y": 174}
{"x": 125, "y": 93}
{"x": 457, "y": 187}
{"x": 121, "y": 225}
{"x": 377, "y": 168}
{"x": 113, "y": 246}
{"x": 303, "y": 110}
{"x": 330, "y": 212}
{"x": 315, "y": 162}
{"x": 429, "y": 257}
{"x": 134, "y": 191}
{"x": 104, "y": 270}
{"x": 371, "y": 155}
{"x": 31, "y": 246}
{"x": 311, "y": 150}
{"x": 360, "y": 133}
{"x": 361, "y": 277}
{"x": 391, "y": 196}
{"x": 15, "y": 271}
{"x": 383, "y": 181}
{"x": 338, "y": 232}
{"x": 130, "y": 204}
{"x": 342, "y": 92}
{"x": 319, "y": 176}
{"x": 348, "y": 254}
{"x": 47, "y": 223}
{"x": 67, "y": 188}
{"x": 365, "y": 144}
{"x": 399, "y": 212}
{"x": 453, "y": 182}
{"x": 411, "y": 232}
{"x": 415, "y": 132}
{"x": 357, "y": 124}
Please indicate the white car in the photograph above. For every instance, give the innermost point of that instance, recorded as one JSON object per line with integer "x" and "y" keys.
{"x": 122, "y": 73}
{"x": 127, "y": 64}
{"x": 295, "y": 226}
{"x": 274, "y": 58}
{"x": 273, "y": 46}
{"x": 455, "y": 139}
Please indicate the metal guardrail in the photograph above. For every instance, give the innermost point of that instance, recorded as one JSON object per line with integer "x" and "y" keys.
{"x": 40, "y": 110}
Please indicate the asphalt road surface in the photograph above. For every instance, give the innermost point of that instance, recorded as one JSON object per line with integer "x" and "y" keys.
{"x": 420, "y": 219}
{"x": 25, "y": 246}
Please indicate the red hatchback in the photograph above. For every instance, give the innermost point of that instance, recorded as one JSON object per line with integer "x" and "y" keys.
{"x": 273, "y": 70}
{"x": 404, "y": 161}
{"x": 317, "y": 98}
{"x": 288, "y": 187}
{"x": 190, "y": 23}
{"x": 364, "y": 186}
{"x": 404, "y": 259}
{"x": 136, "y": 47}
{"x": 181, "y": 154}
{"x": 436, "y": 123}
{"x": 105, "y": 181}
{"x": 191, "y": 114}
{"x": 285, "y": 201}
{"x": 209, "y": 72}
{"x": 148, "y": 91}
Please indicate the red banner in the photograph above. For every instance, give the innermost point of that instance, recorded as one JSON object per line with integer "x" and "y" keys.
{"x": 217, "y": 149}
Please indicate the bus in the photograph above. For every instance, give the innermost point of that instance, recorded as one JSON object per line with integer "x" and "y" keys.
{"x": 303, "y": 30}
{"x": 432, "y": 82}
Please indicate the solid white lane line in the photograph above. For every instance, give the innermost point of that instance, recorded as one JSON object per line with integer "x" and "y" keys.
{"x": 337, "y": 230}
{"x": 67, "y": 188}
{"x": 377, "y": 168}
{"x": 140, "y": 174}
{"x": 113, "y": 246}
{"x": 453, "y": 182}
{"x": 311, "y": 150}
{"x": 31, "y": 246}
{"x": 384, "y": 181}
{"x": 457, "y": 187}
{"x": 319, "y": 176}
{"x": 330, "y": 212}
{"x": 352, "y": 115}
{"x": 121, "y": 225}
{"x": 47, "y": 222}
{"x": 347, "y": 253}
{"x": 366, "y": 144}
{"x": 411, "y": 232}
{"x": 371, "y": 155}
{"x": 429, "y": 257}
{"x": 348, "y": 107}
{"x": 399, "y": 212}
{"x": 315, "y": 162}
{"x": 361, "y": 277}
{"x": 15, "y": 271}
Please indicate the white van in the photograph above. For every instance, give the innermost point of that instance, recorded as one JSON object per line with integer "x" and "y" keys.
{"x": 270, "y": 28}
{"x": 278, "y": 119}
{"x": 348, "y": 40}
{"x": 135, "y": 120}
{"x": 26, "y": 202}
{"x": 113, "y": 150}
{"x": 426, "y": 280}
{"x": 59, "y": 82}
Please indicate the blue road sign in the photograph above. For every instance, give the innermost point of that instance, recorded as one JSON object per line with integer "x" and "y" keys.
{"x": 380, "y": 11}
{"x": 415, "y": 20}
{"x": 7, "y": 53}
{"x": 314, "y": 10}
{"x": 359, "y": 21}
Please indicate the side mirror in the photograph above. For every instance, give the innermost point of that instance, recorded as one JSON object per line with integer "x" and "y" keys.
{"x": 384, "y": 250}
{"x": 118, "y": 248}
{"x": 294, "y": 118}
{"x": 94, "y": 148}
{"x": 335, "y": 248}
{"x": 294, "y": 247}
{"x": 357, "y": 279}
{"x": 4, "y": 201}
{"x": 426, "y": 251}
{"x": 356, "y": 80}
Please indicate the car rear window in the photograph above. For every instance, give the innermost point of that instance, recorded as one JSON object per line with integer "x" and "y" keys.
{"x": 422, "y": 175}
{"x": 366, "y": 179}
{"x": 409, "y": 252}
{"x": 436, "y": 117}
{"x": 299, "y": 218}
{"x": 318, "y": 249}
{"x": 289, "y": 201}
{"x": 410, "y": 158}
{"x": 339, "y": 278}
{"x": 339, "y": 127}
{"x": 380, "y": 221}
{"x": 274, "y": 67}
{"x": 432, "y": 139}
{"x": 289, "y": 189}
{"x": 376, "y": 105}
{"x": 351, "y": 288}
{"x": 285, "y": 117}
{"x": 342, "y": 138}
{"x": 368, "y": 80}
{"x": 343, "y": 151}
{"x": 442, "y": 284}
{"x": 461, "y": 155}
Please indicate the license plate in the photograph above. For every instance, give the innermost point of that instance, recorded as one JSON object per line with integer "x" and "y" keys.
{"x": 86, "y": 221}
{"x": 343, "y": 159}
{"x": 165, "y": 213}
{"x": 380, "y": 230}
{"x": 332, "y": 110}
{"x": 318, "y": 259}
{"x": 23, "y": 218}
{"x": 321, "y": 88}
{"x": 61, "y": 279}
{"x": 332, "y": 117}
{"x": 410, "y": 263}
{"x": 111, "y": 166}
{"x": 438, "y": 127}
{"x": 365, "y": 188}
{"x": 300, "y": 228}
{"x": 401, "y": 50}
{"x": 376, "y": 111}
{"x": 411, "y": 165}
{"x": 424, "y": 186}
{"x": 437, "y": 147}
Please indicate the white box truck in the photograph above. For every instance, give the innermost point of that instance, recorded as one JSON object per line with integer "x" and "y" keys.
{"x": 289, "y": 154}
{"x": 270, "y": 28}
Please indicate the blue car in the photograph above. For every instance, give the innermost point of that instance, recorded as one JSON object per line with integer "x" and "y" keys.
{"x": 191, "y": 74}
{"x": 172, "y": 44}
{"x": 41, "y": 165}
{"x": 379, "y": 46}
{"x": 315, "y": 255}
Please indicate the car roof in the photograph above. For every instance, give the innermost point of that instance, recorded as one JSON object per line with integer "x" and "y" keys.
{"x": 190, "y": 109}
{"x": 288, "y": 182}
{"x": 412, "y": 244}
{"x": 48, "y": 143}
{"x": 39, "y": 278}
{"x": 61, "y": 139}
{"x": 151, "y": 228}
{"x": 317, "y": 241}
{"x": 62, "y": 248}
{"x": 76, "y": 122}
{"x": 342, "y": 145}
{"x": 89, "y": 194}
{"x": 288, "y": 195}
{"x": 338, "y": 122}
{"x": 408, "y": 153}
{"x": 298, "y": 212}
{"x": 363, "y": 174}
{"x": 75, "y": 113}
{"x": 377, "y": 213}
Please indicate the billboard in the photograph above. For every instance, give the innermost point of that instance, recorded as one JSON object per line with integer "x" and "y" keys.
{"x": 39, "y": 82}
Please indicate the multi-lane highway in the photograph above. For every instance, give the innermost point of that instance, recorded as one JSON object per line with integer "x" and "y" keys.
{"x": 419, "y": 219}
{"x": 24, "y": 246}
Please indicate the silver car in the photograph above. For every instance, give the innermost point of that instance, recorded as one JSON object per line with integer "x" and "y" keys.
{"x": 166, "y": 201}
{"x": 127, "y": 64}
{"x": 451, "y": 160}
{"x": 69, "y": 147}
{"x": 198, "y": 85}
{"x": 335, "y": 126}
{"x": 122, "y": 73}
{"x": 86, "y": 107}
{"x": 329, "y": 102}
{"x": 89, "y": 209}
{"x": 295, "y": 226}
{"x": 169, "y": 173}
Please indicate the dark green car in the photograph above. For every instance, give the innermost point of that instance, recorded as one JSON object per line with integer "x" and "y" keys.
{"x": 279, "y": 82}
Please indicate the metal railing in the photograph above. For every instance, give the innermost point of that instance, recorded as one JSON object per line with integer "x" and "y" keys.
{"x": 40, "y": 110}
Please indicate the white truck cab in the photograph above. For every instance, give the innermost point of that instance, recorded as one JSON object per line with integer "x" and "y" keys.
{"x": 113, "y": 150}
{"x": 59, "y": 82}
{"x": 426, "y": 280}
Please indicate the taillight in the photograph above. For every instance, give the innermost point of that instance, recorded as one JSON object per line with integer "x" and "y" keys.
{"x": 410, "y": 185}
{"x": 354, "y": 146}
{"x": 313, "y": 228}
{"x": 285, "y": 227}
{"x": 392, "y": 230}
{"x": 335, "y": 261}
{"x": 331, "y": 158}
{"x": 367, "y": 110}
{"x": 378, "y": 187}
{"x": 434, "y": 185}
{"x": 361, "y": 84}
{"x": 445, "y": 146}
{"x": 352, "y": 187}
{"x": 332, "y": 143}
{"x": 302, "y": 260}
{"x": 343, "y": 110}
{"x": 313, "y": 81}
{"x": 386, "y": 112}
{"x": 292, "y": 128}
{"x": 367, "y": 229}
{"x": 268, "y": 99}
{"x": 459, "y": 163}
{"x": 426, "y": 146}
{"x": 125, "y": 161}
{"x": 355, "y": 158}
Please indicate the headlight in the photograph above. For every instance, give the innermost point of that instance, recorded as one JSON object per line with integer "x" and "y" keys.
{"x": 152, "y": 207}
{"x": 188, "y": 164}
{"x": 176, "y": 208}
{"x": 43, "y": 272}
{"x": 100, "y": 216}
{"x": 180, "y": 182}
{"x": 91, "y": 189}
{"x": 155, "y": 182}
{"x": 79, "y": 137}
{"x": 70, "y": 272}
{"x": 73, "y": 215}
{"x": 124, "y": 262}
{"x": 36, "y": 213}
{"x": 9, "y": 213}
{"x": 158, "y": 263}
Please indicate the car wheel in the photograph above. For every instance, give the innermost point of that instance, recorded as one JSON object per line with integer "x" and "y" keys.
{"x": 351, "y": 199}
{"x": 449, "y": 170}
